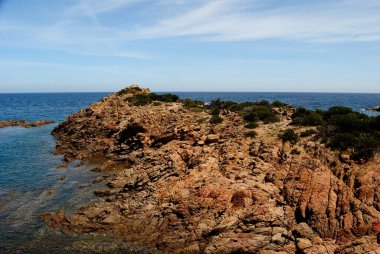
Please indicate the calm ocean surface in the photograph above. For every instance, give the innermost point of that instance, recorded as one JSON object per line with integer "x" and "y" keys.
{"x": 30, "y": 182}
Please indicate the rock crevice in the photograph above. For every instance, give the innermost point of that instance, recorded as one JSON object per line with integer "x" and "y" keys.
{"x": 183, "y": 185}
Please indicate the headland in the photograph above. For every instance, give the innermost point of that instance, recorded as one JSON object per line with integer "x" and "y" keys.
{"x": 255, "y": 177}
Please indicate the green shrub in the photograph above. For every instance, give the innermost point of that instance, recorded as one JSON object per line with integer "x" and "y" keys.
{"x": 266, "y": 114}
{"x": 214, "y": 111}
{"x": 338, "y": 110}
{"x": 343, "y": 140}
{"x": 140, "y": 99}
{"x": 250, "y": 111}
{"x": 350, "y": 122}
{"x": 189, "y": 103}
{"x": 250, "y": 134}
{"x": 260, "y": 112}
{"x": 308, "y": 133}
{"x": 278, "y": 104}
{"x": 289, "y": 136}
{"x": 216, "y": 119}
{"x": 365, "y": 147}
{"x": 299, "y": 112}
{"x": 144, "y": 99}
{"x": 132, "y": 90}
{"x": 306, "y": 117}
{"x": 295, "y": 151}
{"x": 251, "y": 125}
{"x": 272, "y": 118}
{"x": 222, "y": 104}
{"x": 264, "y": 103}
{"x": 348, "y": 130}
{"x": 251, "y": 116}
{"x": 236, "y": 107}
{"x": 216, "y": 103}
{"x": 164, "y": 97}
{"x": 312, "y": 119}
{"x": 374, "y": 123}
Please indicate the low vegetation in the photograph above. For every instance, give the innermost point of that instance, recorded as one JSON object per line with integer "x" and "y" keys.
{"x": 295, "y": 151}
{"x": 289, "y": 135}
{"x": 343, "y": 129}
{"x": 216, "y": 119}
{"x": 192, "y": 104}
{"x": 214, "y": 111}
{"x": 145, "y": 99}
{"x": 251, "y": 125}
{"x": 132, "y": 90}
{"x": 250, "y": 134}
{"x": 304, "y": 117}
{"x": 340, "y": 128}
{"x": 308, "y": 133}
{"x": 251, "y": 112}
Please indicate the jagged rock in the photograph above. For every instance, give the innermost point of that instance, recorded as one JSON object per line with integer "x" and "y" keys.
{"x": 278, "y": 239}
{"x": 303, "y": 230}
{"x": 359, "y": 246}
{"x": 185, "y": 186}
{"x": 303, "y": 243}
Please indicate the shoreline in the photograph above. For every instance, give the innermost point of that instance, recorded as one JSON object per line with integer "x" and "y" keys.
{"x": 170, "y": 149}
{"x": 65, "y": 188}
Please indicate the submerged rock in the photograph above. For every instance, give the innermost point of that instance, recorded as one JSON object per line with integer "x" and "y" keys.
{"x": 187, "y": 186}
{"x": 23, "y": 123}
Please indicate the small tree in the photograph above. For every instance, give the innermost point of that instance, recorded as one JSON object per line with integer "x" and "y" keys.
{"x": 216, "y": 119}
{"x": 289, "y": 136}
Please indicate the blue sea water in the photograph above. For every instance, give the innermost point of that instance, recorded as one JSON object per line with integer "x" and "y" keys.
{"x": 30, "y": 182}
{"x": 25, "y": 153}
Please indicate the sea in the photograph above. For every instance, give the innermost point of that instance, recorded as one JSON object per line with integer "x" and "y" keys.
{"x": 32, "y": 184}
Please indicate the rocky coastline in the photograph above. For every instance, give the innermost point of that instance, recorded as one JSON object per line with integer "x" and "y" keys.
{"x": 374, "y": 109}
{"x": 182, "y": 180}
{"x": 23, "y": 123}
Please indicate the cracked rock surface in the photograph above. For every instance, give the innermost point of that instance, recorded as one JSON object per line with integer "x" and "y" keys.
{"x": 181, "y": 185}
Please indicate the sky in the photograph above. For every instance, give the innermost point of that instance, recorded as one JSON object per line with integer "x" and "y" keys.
{"x": 190, "y": 45}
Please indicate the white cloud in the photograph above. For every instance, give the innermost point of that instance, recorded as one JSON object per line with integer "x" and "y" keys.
{"x": 239, "y": 20}
{"x": 93, "y": 7}
{"x": 206, "y": 20}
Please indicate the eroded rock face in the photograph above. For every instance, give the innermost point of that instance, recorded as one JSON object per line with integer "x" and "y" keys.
{"x": 23, "y": 123}
{"x": 182, "y": 185}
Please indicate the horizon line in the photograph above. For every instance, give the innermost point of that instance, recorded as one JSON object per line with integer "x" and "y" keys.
{"x": 316, "y": 92}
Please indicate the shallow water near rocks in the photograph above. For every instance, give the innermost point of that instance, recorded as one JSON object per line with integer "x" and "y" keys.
{"x": 31, "y": 184}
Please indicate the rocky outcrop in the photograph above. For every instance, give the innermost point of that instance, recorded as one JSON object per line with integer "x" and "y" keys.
{"x": 374, "y": 109}
{"x": 23, "y": 123}
{"x": 181, "y": 185}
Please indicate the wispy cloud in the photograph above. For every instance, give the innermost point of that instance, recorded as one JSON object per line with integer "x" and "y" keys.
{"x": 206, "y": 20}
{"x": 93, "y": 7}
{"x": 239, "y": 20}
{"x": 70, "y": 34}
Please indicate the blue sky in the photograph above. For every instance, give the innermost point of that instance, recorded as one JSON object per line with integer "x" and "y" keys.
{"x": 190, "y": 45}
